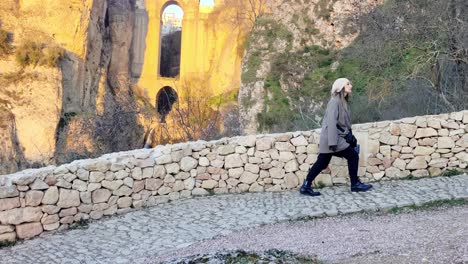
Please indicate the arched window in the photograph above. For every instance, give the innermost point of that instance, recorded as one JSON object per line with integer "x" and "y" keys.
{"x": 164, "y": 100}
{"x": 171, "y": 40}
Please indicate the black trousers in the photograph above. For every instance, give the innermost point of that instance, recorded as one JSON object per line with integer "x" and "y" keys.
{"x": 323, "y": 160}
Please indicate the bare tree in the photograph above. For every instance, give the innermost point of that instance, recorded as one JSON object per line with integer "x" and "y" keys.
{"x": 197, "y": 116}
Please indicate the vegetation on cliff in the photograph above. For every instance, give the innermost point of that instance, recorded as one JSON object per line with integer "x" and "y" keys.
{"x": 409, "y": 58}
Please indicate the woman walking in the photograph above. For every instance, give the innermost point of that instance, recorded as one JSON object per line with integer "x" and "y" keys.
{"x": 336, "y": 127}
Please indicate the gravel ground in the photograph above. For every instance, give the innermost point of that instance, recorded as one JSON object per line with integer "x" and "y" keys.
{"x": 433, "y": 236}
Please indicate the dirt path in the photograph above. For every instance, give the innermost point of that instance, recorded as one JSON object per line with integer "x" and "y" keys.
{"x": 434, "y": 236}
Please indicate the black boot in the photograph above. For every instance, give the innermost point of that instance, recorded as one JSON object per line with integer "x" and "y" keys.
{"x": 306, "y": 189}
{"x": 360, "y": 187}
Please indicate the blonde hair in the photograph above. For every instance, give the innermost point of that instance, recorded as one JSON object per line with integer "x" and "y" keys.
{"x": 339, "y": 91}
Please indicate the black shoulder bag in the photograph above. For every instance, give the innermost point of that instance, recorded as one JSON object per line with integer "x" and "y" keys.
{"x": 349, "y": 138}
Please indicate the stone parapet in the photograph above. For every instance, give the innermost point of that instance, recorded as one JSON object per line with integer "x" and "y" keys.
{"x": 53, "y": 198}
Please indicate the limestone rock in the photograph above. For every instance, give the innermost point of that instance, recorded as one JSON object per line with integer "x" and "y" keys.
{"x": 124, "y": 202}
{"x": 9, "y": 203}
{"x": 68, "y": 198}
{"x": 164, "y": 159}
{"x": 100, "y": 196}
{"x": 264, "y": 143}
{"x": 251, "y": 168}
{"x": 248, "y": 177}
{"x": 255, "y": 187}
{"x": 291, "y": 166}
{"x": 276, "y": 173}
{"x": 420, "y": 173}
{"x": 438, "y": 163}
{"x": 6, "y": 229}
{"x": 188, "y": 163}
{"x": 284, "y": 146}
{"x": 189, "y": 184}
{"x": 299, "y": 141}
{"x": 418, "y": 162}
{"x": 11, "y": 237}
{"x": 247, "y": 141}
{"x": 50, "y": 227}
{"x": 153, "y": 184}
{"x": 50, "y": 219}
{"x": 463, "y": 141}
{"x": 408, "y": 130}
{"x": 209, "y": 184}
{"x": 112, "y": 185}
{"x": 233, "y": 161}
{"x": 388, "y": 139}
{"x": 286, "y": 156}
{"x": 21, "y": 215}
{"x": 445, "y": 142}
{"x": 24, "y": 179}
{"x": 423, "y": 151}
{"x": 123, "y": 191}
{"x": 463, "y": 156}
{"x": 28, "y": 230}
{"x": 34, "y": 198}
{"x": 199, "y": 192}
{"x": 393, "y": 172}
{"x": 226, "y": 149}
{"x": 425, "y": 132}
{"x": 291, "y": 181}
{"x": 39, "y": 184}
{"x": 97, "y": 165}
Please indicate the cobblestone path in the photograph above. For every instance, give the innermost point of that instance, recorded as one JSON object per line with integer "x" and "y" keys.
{"x": 131, "y": 237}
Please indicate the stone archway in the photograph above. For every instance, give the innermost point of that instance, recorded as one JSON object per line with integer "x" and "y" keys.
{"x": 164, "y": 100}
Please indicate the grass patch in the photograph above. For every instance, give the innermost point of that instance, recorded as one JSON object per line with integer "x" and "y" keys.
{"x": 81, "y": 224}
{"x": 5, "y": 244}
{"x": 452, "y": 172}
{"x": 319, "y": 185}
{"x": 447, "y": 173}
{"x": 244, "y": 257}
{"x": 429, "y": 206}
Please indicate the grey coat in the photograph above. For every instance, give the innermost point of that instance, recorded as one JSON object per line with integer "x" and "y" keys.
{"x": 330, "y": 135}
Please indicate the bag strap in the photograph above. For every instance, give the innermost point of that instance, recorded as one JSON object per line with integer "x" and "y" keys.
{"x": 339, "y": 128}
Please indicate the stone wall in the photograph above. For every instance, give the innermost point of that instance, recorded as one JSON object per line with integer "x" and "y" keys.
{"x": 53, "y": 198}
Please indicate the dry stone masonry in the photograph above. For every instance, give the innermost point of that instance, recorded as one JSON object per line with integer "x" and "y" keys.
{"x": 53, "y": 198}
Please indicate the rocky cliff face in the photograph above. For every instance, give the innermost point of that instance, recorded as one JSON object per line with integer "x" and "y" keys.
{"x": 56, "y": 114}
{"x": 405, "y": 58}
{"x": 290, "y": 27}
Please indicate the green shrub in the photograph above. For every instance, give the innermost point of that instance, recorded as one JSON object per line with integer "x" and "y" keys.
{"x": 277, "y": 110}
{"x": 253, "y": 63}
{"x": 5, "y": 45}
{"x": 33, "y": 53}
{"x": 29, "y": 53}
{"x": 224, "y": 99}
{"x": 52, "y": 56}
